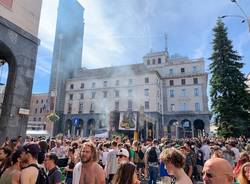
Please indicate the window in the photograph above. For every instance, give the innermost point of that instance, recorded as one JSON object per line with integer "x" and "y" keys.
{"x": 147, "y": 105}
{"x": 148, "y": 62}
{"x": 171, "y": 93}
{"x": 39, "y": 119}
{"x": 130, "y": 104}
{"x": 197, "y": 107}
{"x": 42, "y": 101}
{"x": 37, "y": 101}
{"x": 171, "y": 82}
{"x": 82, "y": 85}
{"x": 34, "y": 119}
{"x": 130, "y": 93}
{"x": 171, "y": 71}
{"x": 93, "y": 95}
{"x": 153, "y": 61}
{"x": 93, "y": 84}
{"x": 80, "y": 107}
{"x": 183, "y": 107}
{"x": 92, "y": 107}
{"x": 146, "y": 92}
{"x": 81, "y": 96}
{"x": 172, "y": 107}
{"x": 183, "y": 81}
{"x": 196, "y": 91}
{"x": 47, "y": 100}
{"x": 70, "y": 96}
{"x": 69, "y": 108}
{"x": 194, "y": 69}
{"x": 183, "y": 92}
{"x": 117, "y": 105}
{"x": 71, "y": 86}
{"x": 159, "y": 60}
{"x": 105, "y": 84}
{"x": 116, "y": 93}
{"x": 35, "y": 110}
{"x": 195, "y": 80}
{"x": 117, "y": 82}
{"x": 130, "y": 81}
{"x": 146, "y": 80}
{"x": 41, "y": 110}
{"x": 182, "y": 70}
{"x": 105, "y": 94}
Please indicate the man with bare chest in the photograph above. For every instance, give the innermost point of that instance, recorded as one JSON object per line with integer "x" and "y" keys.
{"x": 88, "y": 171}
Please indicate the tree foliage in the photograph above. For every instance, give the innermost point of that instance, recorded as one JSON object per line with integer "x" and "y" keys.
{"x": 53, "y": 117}
{"x": 230, "y": 100}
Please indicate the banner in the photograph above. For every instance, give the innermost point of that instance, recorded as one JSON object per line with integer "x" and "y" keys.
{"x": 128, "y": 121}
{"x": 7, "y": 3}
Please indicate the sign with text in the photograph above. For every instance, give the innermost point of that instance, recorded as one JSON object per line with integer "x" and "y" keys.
{"x": 7, "y": 3}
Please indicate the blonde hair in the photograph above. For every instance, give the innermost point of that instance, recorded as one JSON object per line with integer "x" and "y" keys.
{"x": 93, "y": 150}
{"x": 242, "y": 176}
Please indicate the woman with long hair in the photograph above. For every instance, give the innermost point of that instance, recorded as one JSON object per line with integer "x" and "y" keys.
{"x": 244, "y": 175}
{"x": 244, "y": 157}
{"x": 126, "y": 174}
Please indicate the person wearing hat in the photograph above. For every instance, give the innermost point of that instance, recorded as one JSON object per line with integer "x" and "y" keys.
{"x": 29, "y": 174}
{"x": 123, "y": 155}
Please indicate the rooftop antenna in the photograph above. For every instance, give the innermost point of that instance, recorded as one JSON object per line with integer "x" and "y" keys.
{"x": 166, "y": 43}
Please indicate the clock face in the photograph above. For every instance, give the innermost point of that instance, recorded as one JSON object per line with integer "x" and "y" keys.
{"x": 7, "y": 3}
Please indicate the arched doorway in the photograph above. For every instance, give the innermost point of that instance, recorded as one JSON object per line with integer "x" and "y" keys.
{"x": 18, "y": 49}
{"x": 90, "y": 127}
{"x": 69, "y": 127}
{"x": 199, "y": 127}
{"x": 172, "y": 128}
{"x": 186, "y": 128}
{"x": 79, "y": 128}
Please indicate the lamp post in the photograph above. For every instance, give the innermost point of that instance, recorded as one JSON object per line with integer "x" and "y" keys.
{"x": 244, "y": 17}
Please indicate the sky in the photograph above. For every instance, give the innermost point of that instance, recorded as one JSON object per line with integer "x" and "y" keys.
{"x": 121, "y": 32}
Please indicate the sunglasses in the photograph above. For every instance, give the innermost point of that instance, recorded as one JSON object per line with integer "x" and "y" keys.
{"x": 209, "y": 175}
{"x": 120, "y": 156}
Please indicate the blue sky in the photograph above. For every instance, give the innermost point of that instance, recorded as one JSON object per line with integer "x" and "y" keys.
{"x": 121, "y": 32}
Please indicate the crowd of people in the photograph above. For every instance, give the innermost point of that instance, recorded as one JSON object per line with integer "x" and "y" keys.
{"x": 124, "y": 161}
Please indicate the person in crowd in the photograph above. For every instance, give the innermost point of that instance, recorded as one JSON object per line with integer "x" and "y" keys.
{"x": 111, "y": 164}
{"x": 122, "y": 155}
{"x": 43, "y": 150}
{"x": 244, "y": 174}
{"x": 190, "y": 161}
{"x": 6, "y": 142}
{"x": 205, "y": 148}
{"x": 174, "y": 161}
{"x": 236, "y": 151}
{"x": 30, "y": 171}
{"x": 54, "y": 173}
{"x": 5, "y": 159}
{"x": 139, "y": 160}
{"x": 59, "y": 150}
{"x": 228, "y": 154}
{"x": 88, "y": 170}
{"x": 126, "y": 174}
{"x": 217, "y": 171}
{"x": 216, "y": 152}
{"x": 71, "y": 165}
{"x": 13, "y": 173}
{"x": 244, "y": 157}
{"x": 152, "y": 161}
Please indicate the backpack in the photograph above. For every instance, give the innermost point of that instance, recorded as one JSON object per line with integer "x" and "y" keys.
{"x": 42, "y": 177}
{"x": 141, "y": 154}
{"x": 152, "y": 155}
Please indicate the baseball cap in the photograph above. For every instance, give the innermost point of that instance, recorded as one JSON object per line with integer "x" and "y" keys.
{"x": 123, "y": 152}
{"x": 32, "y": 148}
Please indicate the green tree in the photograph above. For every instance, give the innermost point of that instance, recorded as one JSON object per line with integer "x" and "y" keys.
{"x": 230, "y": 100}
{"x": 53, "y": 117}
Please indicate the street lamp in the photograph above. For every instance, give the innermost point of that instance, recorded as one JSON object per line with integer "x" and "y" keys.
{"x": 244, "y": 18}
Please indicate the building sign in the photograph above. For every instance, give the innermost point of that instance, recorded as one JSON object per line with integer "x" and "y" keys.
{"x": 23, "y": 111}
{"x": 7, "y": 3}
{"x": 128, "y": 121}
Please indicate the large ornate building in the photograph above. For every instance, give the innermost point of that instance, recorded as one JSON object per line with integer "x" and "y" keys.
{"x": 160, "y": 97}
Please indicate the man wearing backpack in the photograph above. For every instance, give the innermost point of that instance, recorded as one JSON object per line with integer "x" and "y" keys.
{"x": 32, "y": 173}
{"x": 152, "y": 161}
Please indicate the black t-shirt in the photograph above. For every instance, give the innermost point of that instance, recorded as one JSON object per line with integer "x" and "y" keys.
{"x": 54, "y": 175}
{"x": 70, "y": 173}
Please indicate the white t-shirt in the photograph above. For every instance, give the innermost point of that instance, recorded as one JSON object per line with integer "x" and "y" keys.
{"x": 206, "y": 151}
{"x": 236, "y": 153}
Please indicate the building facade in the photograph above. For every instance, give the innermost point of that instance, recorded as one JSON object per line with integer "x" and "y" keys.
{"x": 39, "y": 110}
{"x": 19, "y": 22}
{"x": 248, "y": 82}
{"x": 160, "y": 97}
{"x": 67, "y": 53}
